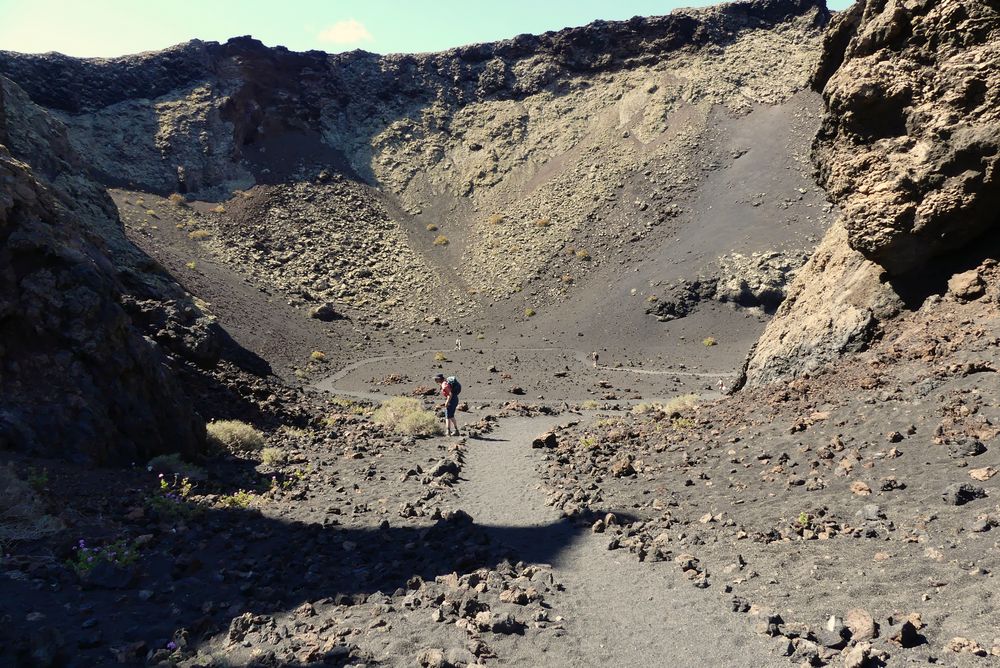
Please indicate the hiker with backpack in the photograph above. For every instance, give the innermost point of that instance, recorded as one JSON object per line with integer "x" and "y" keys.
{"x": 450, "y": 389}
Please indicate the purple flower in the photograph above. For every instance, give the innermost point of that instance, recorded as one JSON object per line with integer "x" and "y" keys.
{"x": 171, "y": 645}
{"x": 82, "y": 544}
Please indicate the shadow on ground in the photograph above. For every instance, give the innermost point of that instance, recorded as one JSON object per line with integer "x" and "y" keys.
{"x": 220, "y": 564}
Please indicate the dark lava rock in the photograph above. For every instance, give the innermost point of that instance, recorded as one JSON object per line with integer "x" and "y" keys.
{"x": 967, "y": 447}
{"x": 960, "y": 493}
{"x": 546, "y": 440}
{"x": 106, "y": 575}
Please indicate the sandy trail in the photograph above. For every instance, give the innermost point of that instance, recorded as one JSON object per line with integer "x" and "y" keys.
{"x": 618, "y": 611}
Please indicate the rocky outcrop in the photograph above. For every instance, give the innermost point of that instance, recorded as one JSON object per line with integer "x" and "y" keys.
{"x": 77, "y": 377}
{"x": 757, "y": 281}
{"x": 834, "y": 306}
{"x": 910, "y": 146}
{"x": 909, "y": 150}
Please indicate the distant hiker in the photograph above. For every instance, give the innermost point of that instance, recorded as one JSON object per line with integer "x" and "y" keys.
{"x": 722, "y": 386}
{"x": 458, "y": 344}
{"x": 450, "y": 389}
{"x": 594, "y": 356}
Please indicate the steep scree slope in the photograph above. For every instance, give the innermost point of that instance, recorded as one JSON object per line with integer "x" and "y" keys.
{"x": 527, "y": 161}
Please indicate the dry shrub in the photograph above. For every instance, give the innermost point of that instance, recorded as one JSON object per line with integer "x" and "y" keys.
{"x": 529, "y": 312}
{"x": 235, "y": 436}
{"x": 582, "y": 255}
{"x": 544, "y": 221}
{"x": 273, "y": 457}
{"x": 495, "y": 219}
{"x": 22, "y": 515}
{"x": 177, "y": 199}
{"x": 441, "y": 240}
{"x": 431, "y": 227}
{"x": 709, "y": 341}
{"x": 406, "y": 415}
{"x": 422, "y": 424}
{"x": 199, "y": 235}
{"x": 680, "y": 403}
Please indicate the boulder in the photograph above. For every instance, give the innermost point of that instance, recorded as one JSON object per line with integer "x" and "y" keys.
{"x": 325, "y": 312}
{"x": 967, "y": 285}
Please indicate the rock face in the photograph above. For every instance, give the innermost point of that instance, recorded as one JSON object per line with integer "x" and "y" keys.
{"x": 910, "y": 145}
{"x": 909, "y": 150}
{"x": 77, "y": 379}
{"x": 833, "y": 307}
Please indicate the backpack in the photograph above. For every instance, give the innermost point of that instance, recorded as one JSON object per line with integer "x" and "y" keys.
{"x": 456, "y": 387}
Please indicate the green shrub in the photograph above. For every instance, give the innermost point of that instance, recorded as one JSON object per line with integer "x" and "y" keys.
{"x": 85, "y": 559}
{"x": 709, "y": 341}
{"x": 273, "y": 457}
{"x": 440, "y": 357}
{"x": 317, "y": 356}
{"x": 39, "y": 480}
{"x": 173, "y": 464}
{"x": 235, "y": 436}
{"x": 22, "y": 514}
{"x": 406, "y": 415}
{"x": 239, "y": 499}
{"x": 529, "y": 312}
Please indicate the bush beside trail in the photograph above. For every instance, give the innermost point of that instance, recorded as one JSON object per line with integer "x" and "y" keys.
{"x": 406, "y": 415}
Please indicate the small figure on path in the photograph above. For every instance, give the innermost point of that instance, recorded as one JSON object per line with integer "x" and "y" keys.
{"x": 722, "y": 386}
{"x": 458, "y": 344}
{"x": 594, "y": 356}
{"x": 450, "y": 389}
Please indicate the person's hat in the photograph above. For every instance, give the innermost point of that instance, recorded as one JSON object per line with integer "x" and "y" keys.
{"x": 440, "y": 376}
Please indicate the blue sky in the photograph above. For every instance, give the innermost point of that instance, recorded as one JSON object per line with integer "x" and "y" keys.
{"x": 116, "y": 27}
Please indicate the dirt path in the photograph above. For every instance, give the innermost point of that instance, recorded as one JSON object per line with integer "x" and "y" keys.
{"x": 617, "y": 611}
{"x": 330, "y": 381}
